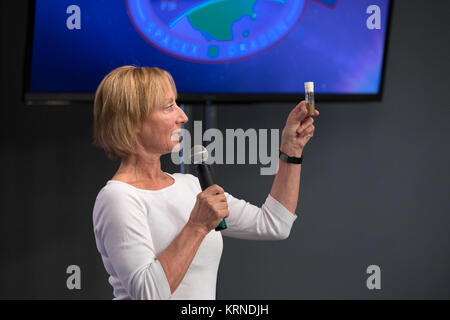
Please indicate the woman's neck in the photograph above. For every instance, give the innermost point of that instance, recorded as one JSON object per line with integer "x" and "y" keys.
{"x": 141, "y": 170}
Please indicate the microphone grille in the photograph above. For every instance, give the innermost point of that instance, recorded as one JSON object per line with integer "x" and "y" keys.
{"x": 199, "y": 154}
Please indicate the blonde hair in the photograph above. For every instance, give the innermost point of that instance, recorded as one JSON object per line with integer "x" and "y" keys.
{"x": 123, "y": 101}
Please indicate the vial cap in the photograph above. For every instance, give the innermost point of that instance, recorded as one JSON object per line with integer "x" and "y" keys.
{"x": 309, "y": 86}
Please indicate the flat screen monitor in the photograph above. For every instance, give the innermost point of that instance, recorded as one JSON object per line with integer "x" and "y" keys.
{"x": 217, "y": 50}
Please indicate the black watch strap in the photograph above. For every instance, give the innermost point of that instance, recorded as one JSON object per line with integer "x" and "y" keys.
{"x": 286, "y": 158}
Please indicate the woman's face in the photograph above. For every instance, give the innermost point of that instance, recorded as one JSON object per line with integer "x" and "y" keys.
{"x": 160, "y": 133}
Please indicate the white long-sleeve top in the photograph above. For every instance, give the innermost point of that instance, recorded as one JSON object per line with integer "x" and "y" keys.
{"x": 134, "y": 226}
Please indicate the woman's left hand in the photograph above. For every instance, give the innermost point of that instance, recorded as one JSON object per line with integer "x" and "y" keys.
{"x": 298, "y": 130}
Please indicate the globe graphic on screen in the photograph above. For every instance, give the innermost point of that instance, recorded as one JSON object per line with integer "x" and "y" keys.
{"x": 214, "y": 31}
{"x": 226, "y": 15}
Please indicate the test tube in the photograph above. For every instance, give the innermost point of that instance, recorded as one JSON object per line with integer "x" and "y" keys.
{"x": 309, "y": 97}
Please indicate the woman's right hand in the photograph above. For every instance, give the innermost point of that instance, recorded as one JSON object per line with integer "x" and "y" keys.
{"x": 209, "y": 209}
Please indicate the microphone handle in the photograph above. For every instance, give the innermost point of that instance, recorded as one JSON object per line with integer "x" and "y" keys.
{"x": 206, "y": 178}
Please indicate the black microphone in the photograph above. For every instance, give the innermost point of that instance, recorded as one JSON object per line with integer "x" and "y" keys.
{"x": 205, "y": 174}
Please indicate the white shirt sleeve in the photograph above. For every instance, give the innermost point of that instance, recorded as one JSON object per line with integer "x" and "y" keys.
{"x": 270, "y": 222}
{"x": 123, "y": 237}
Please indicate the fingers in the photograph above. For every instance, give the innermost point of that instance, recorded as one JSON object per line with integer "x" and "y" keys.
{"x": 214, "y": 192}
{"x": 219, "y": 203}
{"x": 297, "y": 114}
{"x": 211, "y": 207}
{"x": 310, "y": 133}
{"x": 302, "y": 111}
{"x": 214, "y": 189}
{"x": 306, "y": 125}
{"x": 225, "y": 214}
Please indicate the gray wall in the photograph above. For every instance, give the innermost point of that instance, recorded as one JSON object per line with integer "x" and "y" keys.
{"x": 374, "y": 189}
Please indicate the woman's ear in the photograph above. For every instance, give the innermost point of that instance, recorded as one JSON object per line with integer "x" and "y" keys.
{"x": 138, "y": 129}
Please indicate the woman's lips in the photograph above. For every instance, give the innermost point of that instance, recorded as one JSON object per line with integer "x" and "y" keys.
{"x": 176, "y": 135}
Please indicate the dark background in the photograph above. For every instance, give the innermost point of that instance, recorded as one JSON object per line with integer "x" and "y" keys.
{"x": 374, "y": 190}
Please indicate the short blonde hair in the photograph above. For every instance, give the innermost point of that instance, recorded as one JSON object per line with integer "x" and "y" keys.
{"x": 123, "y": 101}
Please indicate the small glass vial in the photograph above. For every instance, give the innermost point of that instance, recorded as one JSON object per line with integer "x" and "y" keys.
{"x": 309, "y": 97}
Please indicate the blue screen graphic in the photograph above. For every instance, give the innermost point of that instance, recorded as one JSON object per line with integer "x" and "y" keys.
{"x": 218, "y": 46}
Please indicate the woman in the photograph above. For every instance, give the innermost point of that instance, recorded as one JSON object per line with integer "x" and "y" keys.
{"x": 155, "y": 230}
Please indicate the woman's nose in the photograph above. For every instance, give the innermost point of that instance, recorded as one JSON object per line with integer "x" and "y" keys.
{"x": 183, "y": 117}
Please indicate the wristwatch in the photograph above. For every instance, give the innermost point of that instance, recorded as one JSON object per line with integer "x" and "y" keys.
{"x": 286, "y": 158}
